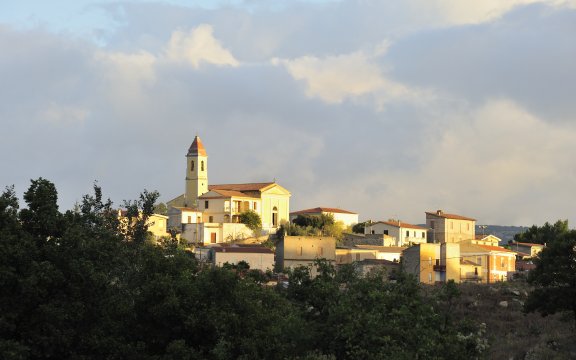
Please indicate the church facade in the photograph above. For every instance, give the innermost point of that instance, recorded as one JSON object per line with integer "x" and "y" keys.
{"x": 208, "y": 213}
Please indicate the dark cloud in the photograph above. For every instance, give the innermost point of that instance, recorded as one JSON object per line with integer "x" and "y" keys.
{"x": 527, "y": 55}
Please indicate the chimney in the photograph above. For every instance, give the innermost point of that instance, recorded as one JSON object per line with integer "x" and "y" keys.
{"x": 438, "y": 212}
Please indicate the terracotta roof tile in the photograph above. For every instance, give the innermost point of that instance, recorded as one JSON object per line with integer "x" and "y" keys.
{"x": 442, "y": 214}
{"x": 240, "y": 187}
{"x": 495, "y": 248}
{"x": 525, "y": 244}
{"x": 227, "y": 194}
{"x": 197, "y": 148}
{"x": 317, "y": 210}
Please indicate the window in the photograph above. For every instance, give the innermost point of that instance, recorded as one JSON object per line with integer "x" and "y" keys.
{"x": 407, "y": 233}
{"x": 432, "y": 224}
{"x": 385, "y": 232}
{"x": 429, "y": 277}
{"x": 502, "y": 262}
{"x": 320, "y": 251}
{"x": 192, "y": 165}
{"x": 275, "y": 216}
{"x": 210, "y": 219}
{"x": 357, "y": 257}
{"x": 189, "y": 219}
{"x": 202, "y": 165}
{"x": 255, "y": 206}
{"x": 479, "y": 260}
{"x": 206, "y": 204}
{"x": 300, "y": 252}
{"x": 423, "y": 235}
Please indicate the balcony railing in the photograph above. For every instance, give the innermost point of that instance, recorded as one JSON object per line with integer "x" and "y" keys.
{"x": 438, "y": 267}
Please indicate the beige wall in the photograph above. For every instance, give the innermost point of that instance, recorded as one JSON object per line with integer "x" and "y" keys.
{"x": 274, "y": 198}
{"x": 196, "y": 179}
{"x": 349, "y": 255}
{"x": 257, "y": 261}
{"x": 403, "y": 235}
{"x": 420, "y": 259}
{"x": 293, "y": 251}
{"x": 157, "y": 225}
{"x": 450, "y": 230}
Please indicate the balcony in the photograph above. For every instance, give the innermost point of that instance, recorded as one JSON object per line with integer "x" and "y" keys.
{"x": 438, "y": 267}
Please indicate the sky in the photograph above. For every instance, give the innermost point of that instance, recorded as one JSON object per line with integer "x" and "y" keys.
{"x": 386, "y": 108}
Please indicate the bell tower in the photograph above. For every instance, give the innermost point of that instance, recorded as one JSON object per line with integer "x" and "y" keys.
{"x": 196, "y": 173}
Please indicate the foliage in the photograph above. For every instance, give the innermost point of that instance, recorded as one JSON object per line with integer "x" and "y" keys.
{"x": 75, "y": 287}
{"x": 137, "y": 214}
{"x": 543, "y": 234}
{"x": 554, "y": 277}
{"x": 314, "y": 225}
{"x": 251, "y": 219}
{"x": 160, "y": 209}
{"x": 359, "y": 228}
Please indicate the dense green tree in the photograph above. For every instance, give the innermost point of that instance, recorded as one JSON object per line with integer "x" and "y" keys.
{"x": 251, "y": 219}
{"x": 41, "y": 218}
{"x": 137, "y": 214}
{"x": 543, "y": 234}
{"x": 359, "y": 228}
{"x": 554, "y": 277}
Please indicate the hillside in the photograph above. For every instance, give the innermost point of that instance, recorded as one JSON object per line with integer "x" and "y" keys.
{"x": 511, "y": 334}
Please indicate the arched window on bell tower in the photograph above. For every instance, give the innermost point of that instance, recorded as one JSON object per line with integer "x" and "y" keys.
{"x": 202, "y": 165}
{"x": 192, "y": 165}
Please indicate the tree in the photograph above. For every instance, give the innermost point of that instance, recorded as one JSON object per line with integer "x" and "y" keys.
{"x": 359, "y": 228}
{"x": 42, "y": 218}
{"x": 543, "y": 234}
{"x": 161, "y": 209}
{"x": 251, "y": 219}
{"x": 137, "y": 214}
{"x": 554, "y": 277}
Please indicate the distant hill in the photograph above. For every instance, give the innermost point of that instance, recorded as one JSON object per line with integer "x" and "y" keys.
{"x": 504, "y": 232}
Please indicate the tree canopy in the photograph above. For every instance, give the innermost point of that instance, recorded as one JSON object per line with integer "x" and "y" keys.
{"x": 554, "y": 277}
{"x": 543, "y": 234}
{"x": 77, "y": 285}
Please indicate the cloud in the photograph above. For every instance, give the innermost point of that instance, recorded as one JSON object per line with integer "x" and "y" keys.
{"x": 335, "y": 79}
{"x": 63, "y": 115}
{"x": 198, "y": 46}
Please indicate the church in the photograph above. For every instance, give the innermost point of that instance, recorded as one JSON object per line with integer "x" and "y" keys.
{"x": 208, "y": 213}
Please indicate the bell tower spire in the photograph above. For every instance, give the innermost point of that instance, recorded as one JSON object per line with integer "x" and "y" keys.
{"x": 196, "y": 173}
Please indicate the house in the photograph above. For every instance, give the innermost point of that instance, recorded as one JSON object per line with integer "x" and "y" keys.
{"x": 432, "y": 262}
{"x": 352, "y": 239}
{"x": 210, "y": 213}
{"x": 404, "y": 233}
{"x": 157, "y": 224}
{"x": 257, "y": 257}
{"x": 294, "y": 251}
{"x": 496, "y": 262}
{"x": 449, "y": 227}
{"x": 347, "y": 218}
{"x": 481, "y": 239}
{"x": 350, "y": 254}
{"x": 530, "y": 250}
{"x": 367, "y": 266}
{"x": 390, "y": 253}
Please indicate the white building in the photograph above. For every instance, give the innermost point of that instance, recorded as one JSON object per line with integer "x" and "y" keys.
{"x": 404, "y": 233}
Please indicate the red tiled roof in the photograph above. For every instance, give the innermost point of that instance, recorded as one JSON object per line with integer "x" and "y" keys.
{"x": 197, "y": 148}
{"x": 525, "y": 244}
{"x": 240, "y": 187}
{"x": 226, "y": 194}
{"x": 495, "y": 248}
{"x": 400, "y": 224}
{"x": 317, "y": 210}
{"x": 442, "y": 214}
